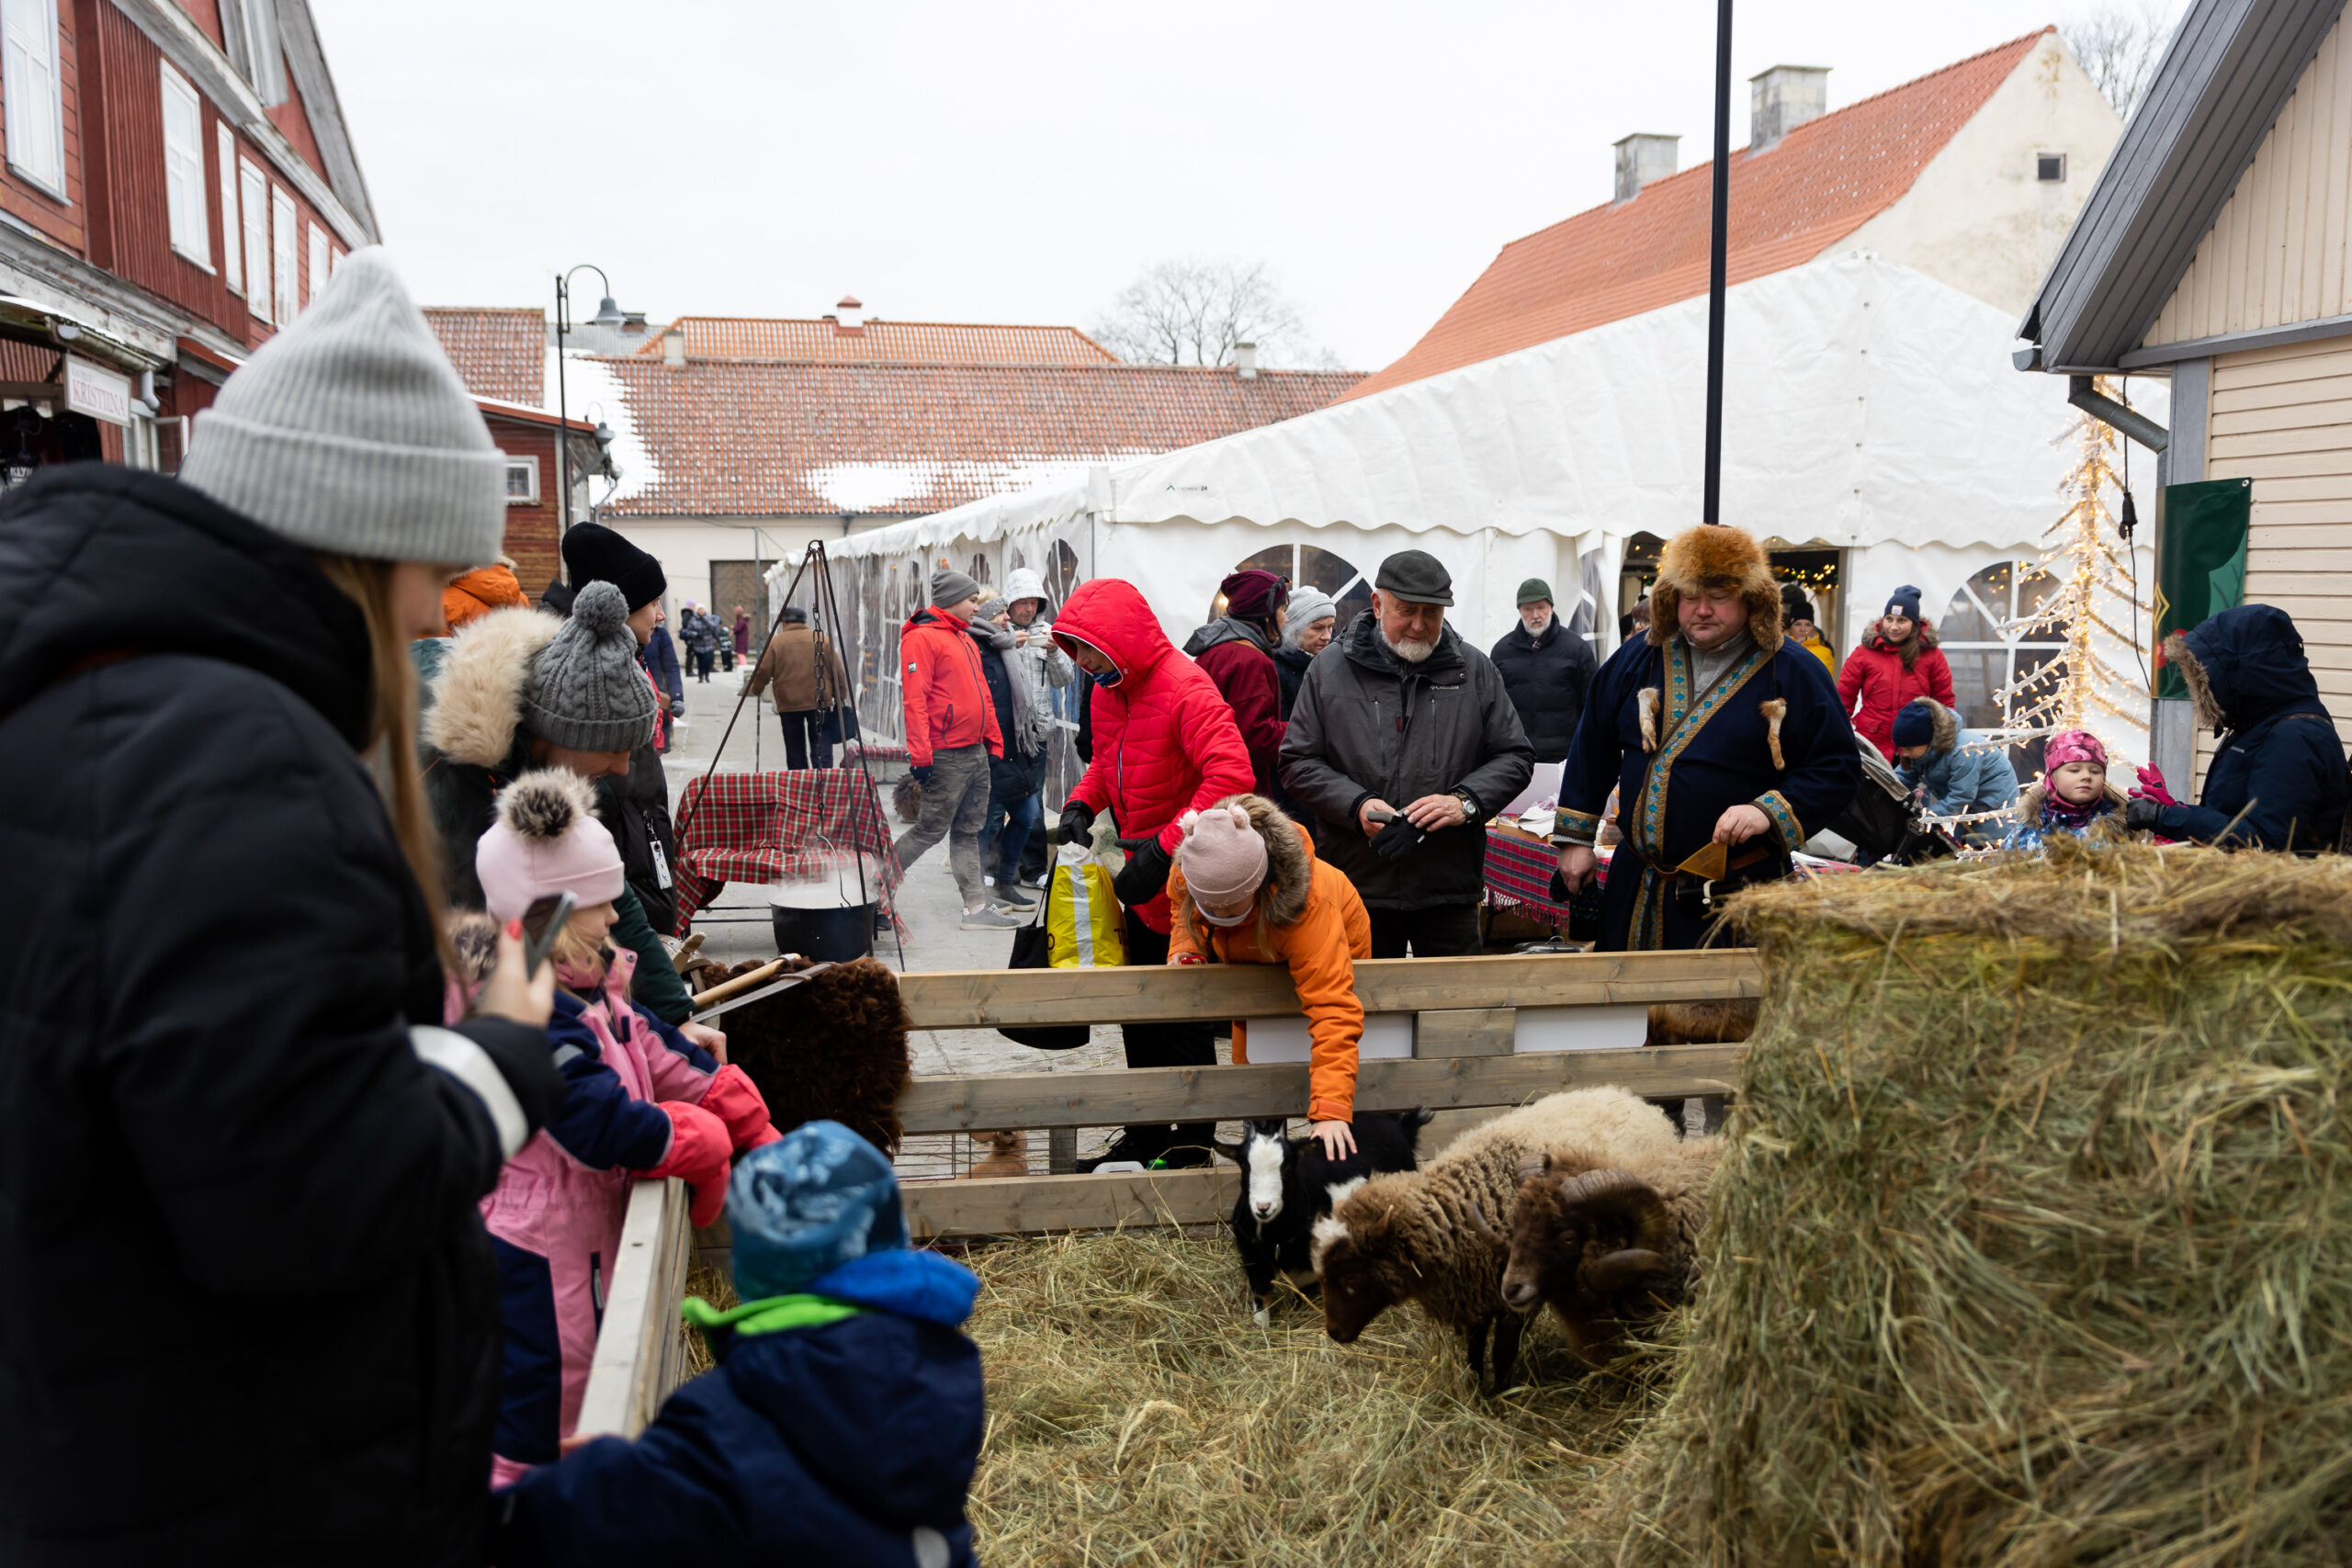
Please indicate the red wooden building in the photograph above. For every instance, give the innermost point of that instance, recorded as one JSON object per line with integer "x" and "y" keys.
{"x": 178, "y": 182}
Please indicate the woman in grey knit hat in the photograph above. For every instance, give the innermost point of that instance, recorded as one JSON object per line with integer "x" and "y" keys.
{"x": 224, "y": 1034}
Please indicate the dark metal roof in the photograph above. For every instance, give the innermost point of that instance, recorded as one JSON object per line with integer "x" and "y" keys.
{"x": 2228, "y": 71}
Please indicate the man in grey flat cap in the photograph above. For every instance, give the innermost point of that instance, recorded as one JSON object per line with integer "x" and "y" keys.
{"x": 1410, "y": 713}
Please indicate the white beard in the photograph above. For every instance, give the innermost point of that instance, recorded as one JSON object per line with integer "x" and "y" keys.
{"x": 1411, "y": 652}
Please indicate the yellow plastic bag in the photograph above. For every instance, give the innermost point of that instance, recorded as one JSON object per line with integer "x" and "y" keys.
{"x": 1084, "y": 928}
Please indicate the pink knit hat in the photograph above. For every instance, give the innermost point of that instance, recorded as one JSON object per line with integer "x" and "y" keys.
{"x": 1222, "y": 857}
{"x": 2072, "y": 746}
{"x": 547, "y": 840}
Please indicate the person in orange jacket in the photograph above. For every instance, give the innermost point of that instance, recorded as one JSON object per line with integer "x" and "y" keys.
{"x": 476, "y": 593}
{"x": 1247, "y": 888}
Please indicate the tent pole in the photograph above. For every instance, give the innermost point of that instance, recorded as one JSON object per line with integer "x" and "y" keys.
{"x": 1713, "y": 510}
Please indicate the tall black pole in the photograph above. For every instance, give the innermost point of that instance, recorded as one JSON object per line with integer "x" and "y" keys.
{"x": 563, "y": 418}
{"x": 1716, "y": 250}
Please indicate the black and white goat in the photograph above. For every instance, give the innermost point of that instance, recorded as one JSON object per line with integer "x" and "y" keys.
{"x": 1289, "y": 1183}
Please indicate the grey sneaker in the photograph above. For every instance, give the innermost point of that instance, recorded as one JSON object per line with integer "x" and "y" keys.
{"x": 1015, "y": 898}
{"x": 991, "y": 920}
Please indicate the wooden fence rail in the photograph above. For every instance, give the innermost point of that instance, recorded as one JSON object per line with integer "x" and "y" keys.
{"x": 1463, "y": 1034}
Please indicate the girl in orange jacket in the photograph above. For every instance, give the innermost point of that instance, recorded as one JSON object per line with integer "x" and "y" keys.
{"x": 1248, "y": 889}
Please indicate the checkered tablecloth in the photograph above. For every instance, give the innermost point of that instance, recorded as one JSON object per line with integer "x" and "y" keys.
{"x": 1519, "y": 876}
{"x": 805, "y": 823}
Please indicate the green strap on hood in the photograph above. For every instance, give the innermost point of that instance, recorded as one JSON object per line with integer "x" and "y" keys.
{"x": 769, "y": 1315}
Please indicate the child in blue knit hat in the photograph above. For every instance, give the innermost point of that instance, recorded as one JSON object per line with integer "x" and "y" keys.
{"x": 843, "y": 1421}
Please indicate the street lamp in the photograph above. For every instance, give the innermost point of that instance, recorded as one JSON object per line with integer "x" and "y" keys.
{"x": 608, "y": 315}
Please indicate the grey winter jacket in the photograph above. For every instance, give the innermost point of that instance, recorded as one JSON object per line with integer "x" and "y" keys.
{"x": 1367, "y": 723}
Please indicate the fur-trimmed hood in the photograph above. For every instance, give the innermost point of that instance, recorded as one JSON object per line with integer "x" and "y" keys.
{"x": 1716, "y": 554}
{"x": 2242, "y": 666}
{"x": 478, "y": 695}
{"x": 1290, "y": 859}
{"x": 1946, "y": 735}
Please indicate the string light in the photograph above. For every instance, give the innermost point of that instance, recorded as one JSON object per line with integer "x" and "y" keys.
{"x": 2066, "y": 691}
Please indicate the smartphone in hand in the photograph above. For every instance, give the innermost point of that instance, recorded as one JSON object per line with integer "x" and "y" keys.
{"x": 542, "y": 923}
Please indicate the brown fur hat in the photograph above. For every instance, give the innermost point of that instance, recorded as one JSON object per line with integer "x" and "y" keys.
{"x": 1716, "y": 556}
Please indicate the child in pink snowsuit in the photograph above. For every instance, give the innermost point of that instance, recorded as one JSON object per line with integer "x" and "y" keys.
{"x": 638, "y": 1101}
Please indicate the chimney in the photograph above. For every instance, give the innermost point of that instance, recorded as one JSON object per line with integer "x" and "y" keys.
{"x": 1642, "y": 158}
{"x": 850, "y": 316}
{"x": 1245, "y": 361}
{"x": 633, "y": 323}
{"x": 1782, "y": 98}
{"x": 673, "y": 346}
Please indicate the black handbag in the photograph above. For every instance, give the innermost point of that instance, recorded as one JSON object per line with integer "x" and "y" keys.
{"x": 1032, "y": 949}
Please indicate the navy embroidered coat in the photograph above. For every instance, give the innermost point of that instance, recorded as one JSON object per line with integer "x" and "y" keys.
{"x": 1706, "y": 762}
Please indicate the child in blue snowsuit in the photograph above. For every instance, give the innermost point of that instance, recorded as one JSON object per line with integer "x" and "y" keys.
{"x": 842, "y": 1423}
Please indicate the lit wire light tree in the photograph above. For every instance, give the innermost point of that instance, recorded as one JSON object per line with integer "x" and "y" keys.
{"x": 2095, "y": 584}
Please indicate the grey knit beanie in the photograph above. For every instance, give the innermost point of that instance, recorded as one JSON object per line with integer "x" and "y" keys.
{"x": 951, "y": 588}
{"x": 349, "y": 432}
{"x": 586, "y": 689}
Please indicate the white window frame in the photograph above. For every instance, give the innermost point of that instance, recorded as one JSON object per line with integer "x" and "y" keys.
{"x": 253, "y": 188}
{"x": 285, "y": 255}
{"x": 184, "y": 182}
{"x": 233, "y": 229}
{"x": 32, "y": 93}
{"x": 264, "y": 65}
{"x": 522, "y": 465}
{"x": 322, "y": 261}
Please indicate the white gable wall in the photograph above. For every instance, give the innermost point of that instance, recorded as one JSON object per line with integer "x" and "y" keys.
{"x": 1976, "y": 217}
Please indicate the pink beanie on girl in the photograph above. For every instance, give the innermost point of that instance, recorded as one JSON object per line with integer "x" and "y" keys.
{"x": 546, "y": 841}
{"x": 2072, "y": 746}
{"x": 1221, "y": 855}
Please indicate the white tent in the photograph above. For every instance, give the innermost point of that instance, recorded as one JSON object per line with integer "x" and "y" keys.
{"x": 1870, "y": 409}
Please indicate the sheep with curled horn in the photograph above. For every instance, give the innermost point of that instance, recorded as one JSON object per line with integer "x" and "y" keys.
{"x": 1607, "y": 1241}
{"x": 1417, "y": 1237}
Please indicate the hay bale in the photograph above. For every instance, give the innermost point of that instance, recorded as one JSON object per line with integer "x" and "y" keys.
{"x": 2029, "y": 1248}
{"x": 1136, "y": 1416}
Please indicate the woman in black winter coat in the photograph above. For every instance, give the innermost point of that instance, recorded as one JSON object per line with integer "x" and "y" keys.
{"x": 248, "y": 1312}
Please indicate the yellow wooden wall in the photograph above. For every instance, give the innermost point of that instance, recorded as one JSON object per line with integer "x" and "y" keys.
{"x": 2282, "y": 417}
{"x": 2277, "y": 253}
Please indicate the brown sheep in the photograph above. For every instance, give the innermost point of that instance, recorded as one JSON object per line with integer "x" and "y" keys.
{"x": 1606, "y": 1238}
{"x": 833, "y": 1048}
{"x": 1415, "y": 1236}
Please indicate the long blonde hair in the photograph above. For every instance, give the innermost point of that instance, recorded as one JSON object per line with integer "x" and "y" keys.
{"x": 391, "y": 744}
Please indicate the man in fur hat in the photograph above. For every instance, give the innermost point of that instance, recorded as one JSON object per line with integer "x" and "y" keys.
{"x": 1715, "y": 731}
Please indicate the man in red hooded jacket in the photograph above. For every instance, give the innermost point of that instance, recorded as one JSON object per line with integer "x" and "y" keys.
{"x": 1165, "y": 743}
{"x": 951, "y": 732}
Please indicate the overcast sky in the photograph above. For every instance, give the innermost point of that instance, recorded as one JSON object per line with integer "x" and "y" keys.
{"x": 1021, "y": 162}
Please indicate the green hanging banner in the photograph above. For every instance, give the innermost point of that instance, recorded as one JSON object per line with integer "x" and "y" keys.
{"x": 2200, "y": 561}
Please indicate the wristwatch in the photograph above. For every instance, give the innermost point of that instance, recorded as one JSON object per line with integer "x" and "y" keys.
{"x": 1469, "y": 806}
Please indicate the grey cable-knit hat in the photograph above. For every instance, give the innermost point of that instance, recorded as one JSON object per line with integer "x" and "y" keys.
{"x": 948, "y": 587}
{"x": 586, "y": 689}
{"x": 350, "y": 432}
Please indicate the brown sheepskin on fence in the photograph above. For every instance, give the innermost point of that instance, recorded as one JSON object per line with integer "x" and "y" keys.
{"x": 833, "y": 1048}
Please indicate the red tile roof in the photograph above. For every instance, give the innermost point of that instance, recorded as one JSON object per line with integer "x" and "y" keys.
{"x": 746, "y": 438}
{"x": 1823, "y": 181}
{"x": 881, "y": 343}
{"x": 500, "y": 351}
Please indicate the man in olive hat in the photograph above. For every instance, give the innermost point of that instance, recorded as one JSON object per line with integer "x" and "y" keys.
{"x": 1547, "y": 668}
{"x": 1408, "y": 712}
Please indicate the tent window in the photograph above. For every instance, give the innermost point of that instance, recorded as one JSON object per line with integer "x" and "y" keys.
{"x": 183, "y": 169}
{"x": 1995, "y": 648}
{"x": 1308, "y": 565}
{"x": 29, "y": 90}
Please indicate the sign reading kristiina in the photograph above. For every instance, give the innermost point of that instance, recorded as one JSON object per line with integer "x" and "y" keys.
{"x": 98, "y": 391}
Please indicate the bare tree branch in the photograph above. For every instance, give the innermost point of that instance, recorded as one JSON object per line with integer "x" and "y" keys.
{"x": 1194, "y": 311}
{"x": 2118, "y": 43}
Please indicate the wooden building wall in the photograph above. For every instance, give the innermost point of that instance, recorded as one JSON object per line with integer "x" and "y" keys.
{"x": 533, "y": 533}
{"x": 2277, "y": 253}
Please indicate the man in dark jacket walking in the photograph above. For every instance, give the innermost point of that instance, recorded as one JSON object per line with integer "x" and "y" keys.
{"x": 248, "y": 1312}
{"x": 1546, "y": 669}
{"x": 2279, "y": 775}
{"x": 1407, "y": 712}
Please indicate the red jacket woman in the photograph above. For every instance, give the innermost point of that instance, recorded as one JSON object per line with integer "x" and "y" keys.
{"x": 1164, "y": 737}
{"x": 1898, "y": 659}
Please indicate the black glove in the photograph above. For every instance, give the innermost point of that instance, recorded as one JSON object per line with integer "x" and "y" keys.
{"x": 1398, "y": 837}
{"x": 1141, "y": 879}
{"x": 921, "y": 775}
{"x": 2140, "y": 814}
{"x": 1077, "y": 824}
